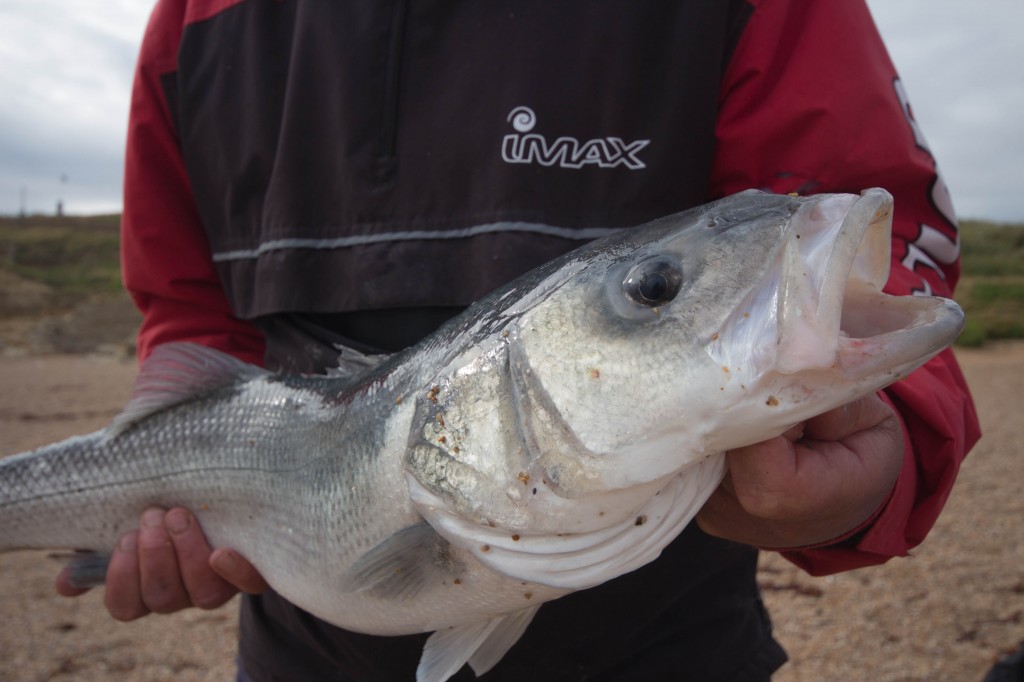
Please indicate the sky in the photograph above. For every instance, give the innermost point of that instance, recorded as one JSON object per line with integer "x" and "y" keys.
{"x": 66, "y": 71}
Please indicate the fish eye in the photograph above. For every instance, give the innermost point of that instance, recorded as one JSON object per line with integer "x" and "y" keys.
{"x": 653, "y": 282}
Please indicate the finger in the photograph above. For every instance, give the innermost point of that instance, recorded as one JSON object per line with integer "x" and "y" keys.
{"x": 237, "y": 571}
{"x": 122, "y": 595}
{"x": 859, "y": 449}
{"x": 160, "y": 579}
{"x": 852, "y": 454}
{"x": 784, "y": 481}
{"x": 720, "y": 512}
{"x": 773, "y": 500}
{"x": 818, "y": 484}
{"x": 723, "y": 517}
{"x": 795, "y": 432}
{"x": 848, "y": 419}
{"x": 205, "y": 588}
{"x": 764, "y": 476}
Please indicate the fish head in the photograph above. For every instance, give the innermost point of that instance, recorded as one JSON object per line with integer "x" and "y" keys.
{"x": 712, "y": 329}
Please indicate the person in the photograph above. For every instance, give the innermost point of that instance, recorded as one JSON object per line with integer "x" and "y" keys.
{"x": 304, "y": 174}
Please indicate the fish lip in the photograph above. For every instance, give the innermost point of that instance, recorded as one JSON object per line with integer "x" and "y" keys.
{"x": 916, "y": 328}
{"x": 842, "y": 319}
{"x": 826, "y": 238}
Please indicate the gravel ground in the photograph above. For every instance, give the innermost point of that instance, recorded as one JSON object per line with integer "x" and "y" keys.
{"x": 946, "y": 613}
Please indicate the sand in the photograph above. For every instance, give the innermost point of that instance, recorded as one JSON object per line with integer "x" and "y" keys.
{"x": 948, "y": 612}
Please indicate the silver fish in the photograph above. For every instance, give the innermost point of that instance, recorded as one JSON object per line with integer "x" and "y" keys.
{"x": 558, "y": 434}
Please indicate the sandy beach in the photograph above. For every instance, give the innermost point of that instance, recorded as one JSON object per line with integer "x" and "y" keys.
{"x": 945, "y": 613}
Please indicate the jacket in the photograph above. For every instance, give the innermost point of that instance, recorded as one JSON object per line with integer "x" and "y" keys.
{"x": 295, "y": 164}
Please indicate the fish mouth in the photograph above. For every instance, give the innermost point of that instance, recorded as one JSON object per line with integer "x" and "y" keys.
{"x": 831, "y": 310}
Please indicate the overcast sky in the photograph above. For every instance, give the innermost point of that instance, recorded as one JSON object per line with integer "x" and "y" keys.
{"x": 66, "y": 69}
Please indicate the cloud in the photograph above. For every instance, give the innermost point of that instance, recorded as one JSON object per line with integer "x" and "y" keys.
{"x": 63, "y": 112}
{"x": 68, "y": 67}
{"x": 960, "y": 63}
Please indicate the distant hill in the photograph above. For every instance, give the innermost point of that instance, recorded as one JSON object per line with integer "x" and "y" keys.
{"x": 991, "y": 288}
{"x": 76, "y": 257}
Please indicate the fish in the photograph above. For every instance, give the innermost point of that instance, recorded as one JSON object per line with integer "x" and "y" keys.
{"x": 559, "y": 433}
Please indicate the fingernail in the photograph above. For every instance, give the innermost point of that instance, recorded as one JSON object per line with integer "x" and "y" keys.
{"x": 152, "y": 518}
{"x": 794, "y": 433}
{"x": 225, "y": 562}
{"x": 128, "y": 543}
{"x": 177, "y": 521}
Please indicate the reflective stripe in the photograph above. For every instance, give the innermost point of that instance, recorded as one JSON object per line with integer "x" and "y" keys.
{"x": 582, "y": 234}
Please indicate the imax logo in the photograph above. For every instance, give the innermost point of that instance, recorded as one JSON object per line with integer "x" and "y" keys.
{"x": 566, "y": 152}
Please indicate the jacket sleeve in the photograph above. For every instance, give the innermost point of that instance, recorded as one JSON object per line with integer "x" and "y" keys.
{"x": 811, "y": 103}
{"x": 166, "y": 263}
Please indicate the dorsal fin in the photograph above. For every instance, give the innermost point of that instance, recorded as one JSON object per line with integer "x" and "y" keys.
{"x": 352, "y": 363}
{"x": 176, "y": 373}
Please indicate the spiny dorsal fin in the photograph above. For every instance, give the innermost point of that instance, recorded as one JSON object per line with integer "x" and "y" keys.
{"x": 353, "y": 364}
{"x": 176, "y": 373}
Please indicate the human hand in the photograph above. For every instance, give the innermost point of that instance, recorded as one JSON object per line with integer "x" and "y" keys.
{"x": 167, "y": 565}
{"x": 816, "y": 482}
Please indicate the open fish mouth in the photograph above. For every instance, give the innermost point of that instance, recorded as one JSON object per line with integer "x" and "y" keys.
{"x": 826, "y": 307}
{"x": 832, "y": 312}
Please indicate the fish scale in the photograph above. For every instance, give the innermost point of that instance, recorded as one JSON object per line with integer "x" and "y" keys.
{"x": 561, "y": 432}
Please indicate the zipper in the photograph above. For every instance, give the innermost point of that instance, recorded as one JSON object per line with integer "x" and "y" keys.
{"x": 387, "y": 161}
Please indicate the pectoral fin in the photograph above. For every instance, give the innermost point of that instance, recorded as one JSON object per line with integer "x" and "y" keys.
{"x": 403, "y": 564}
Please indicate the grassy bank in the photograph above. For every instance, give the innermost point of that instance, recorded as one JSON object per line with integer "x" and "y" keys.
{"x": 992, "y": 284}
{"x": 76, "y": 257}
{"x": 73, "y": 257}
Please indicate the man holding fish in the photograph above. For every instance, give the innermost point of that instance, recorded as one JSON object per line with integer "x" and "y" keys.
{"x": 299, "y": 180}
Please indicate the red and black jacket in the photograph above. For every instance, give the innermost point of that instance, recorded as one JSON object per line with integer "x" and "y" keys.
{"x": 308, "y": 159}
